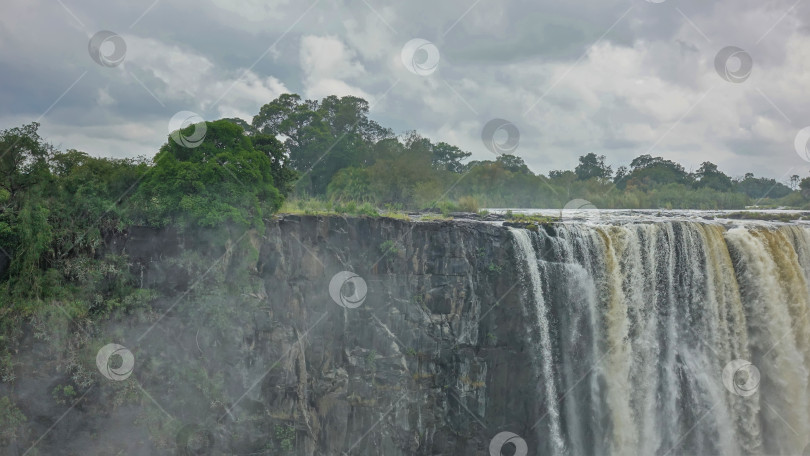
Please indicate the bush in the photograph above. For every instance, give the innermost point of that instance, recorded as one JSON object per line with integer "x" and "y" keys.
{"x": 11, "y": 421}
{"x": 468, "y": 204}
{"x": 224, "y": 180}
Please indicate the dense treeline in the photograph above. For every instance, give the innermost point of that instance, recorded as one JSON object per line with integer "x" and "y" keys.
{"x": 58, "y": 206}
{"x": 343, "y": 156}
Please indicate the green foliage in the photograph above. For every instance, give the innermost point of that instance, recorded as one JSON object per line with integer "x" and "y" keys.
{"x": 709, "y": 176}
{"x": 592, "y": 166}
{"x": 307, "y": 206}
{"x": 445, "y": 157}
{"x": 322, "y": 137}
{"x": 343, "y": 156}
{"x": 284, "y": 436}
{"x": 224, "y": 180}
{"x": 12, "y": 421}
{"x": 64, "y": 395}
{"x": 530, "y": 218}
{"x": 804, "y": 187}
{"x": 6, "y": 367}
{"x": 513, "y": 164}
{"x": 283, "y": 176}
{"x": 350, "y": 184}
{"x": 468, "y": 204}
{"x": 389, "y": 247}
{"x": 760, "y": 188}
{"x": 371, "y": 357}
{"x": 352, "y": 208}
{"x": 23, "y": 158}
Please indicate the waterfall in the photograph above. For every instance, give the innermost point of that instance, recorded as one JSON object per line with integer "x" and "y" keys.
{"x": 669, "y": 338}
{"x": 546, "y": 357}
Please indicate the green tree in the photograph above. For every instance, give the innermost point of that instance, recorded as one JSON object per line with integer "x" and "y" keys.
{"x": 709, "y": 176}
{"x": 321, "y": 137}
{"x": 647, "y": 173}
{"x": 794, "y": 182}
{"x": 513, "y": 163}
{"x": 224, "y": 180}
{"x": 23, "y": 158}
{"x": 283, "y": 175}
{"x": 448, "y": 158}
{"x": 761, "y": 187}
{"x": 25, "y": 231}
{"x": 592, "y": 166}
{"x": 351, "y": 184}
{"x": 804, "y": 187}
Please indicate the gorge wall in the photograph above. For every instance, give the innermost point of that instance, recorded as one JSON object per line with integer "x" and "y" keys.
{"x": 384, "y": 336}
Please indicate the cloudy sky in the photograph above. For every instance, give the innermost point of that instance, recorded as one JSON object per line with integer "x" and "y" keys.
{"x": 616, "y": 77}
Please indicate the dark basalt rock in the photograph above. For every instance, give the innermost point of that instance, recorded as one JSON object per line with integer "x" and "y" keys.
{"x": 435, "y": 354}
{"x": 435, "y": 361}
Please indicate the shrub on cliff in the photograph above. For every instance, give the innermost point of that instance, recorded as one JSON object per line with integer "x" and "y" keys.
{"x": 222, "y": 180}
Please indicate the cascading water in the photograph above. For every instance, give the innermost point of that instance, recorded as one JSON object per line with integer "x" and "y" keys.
{"x": 634, "y": 325}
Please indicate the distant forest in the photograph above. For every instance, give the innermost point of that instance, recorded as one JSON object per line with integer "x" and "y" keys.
{"x": 342, "y": 156}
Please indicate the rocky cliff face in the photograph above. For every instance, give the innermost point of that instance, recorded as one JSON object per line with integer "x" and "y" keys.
{"x": 430, "y": 357}
{"x": 429, "y": 363}
{"x": 377, "y": 336}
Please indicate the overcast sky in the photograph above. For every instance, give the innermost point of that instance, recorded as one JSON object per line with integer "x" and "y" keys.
{"x": 616, "y": 77}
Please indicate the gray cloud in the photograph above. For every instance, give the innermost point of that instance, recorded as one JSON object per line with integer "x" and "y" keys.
{"x": 618, "y": 78}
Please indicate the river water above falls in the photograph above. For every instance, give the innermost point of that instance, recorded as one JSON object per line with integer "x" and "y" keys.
{"x": 673, "y": 337}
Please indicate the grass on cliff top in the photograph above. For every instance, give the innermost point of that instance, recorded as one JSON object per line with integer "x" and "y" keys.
{"x": 530, "y": 218}
{"x": 314, "y": 206}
